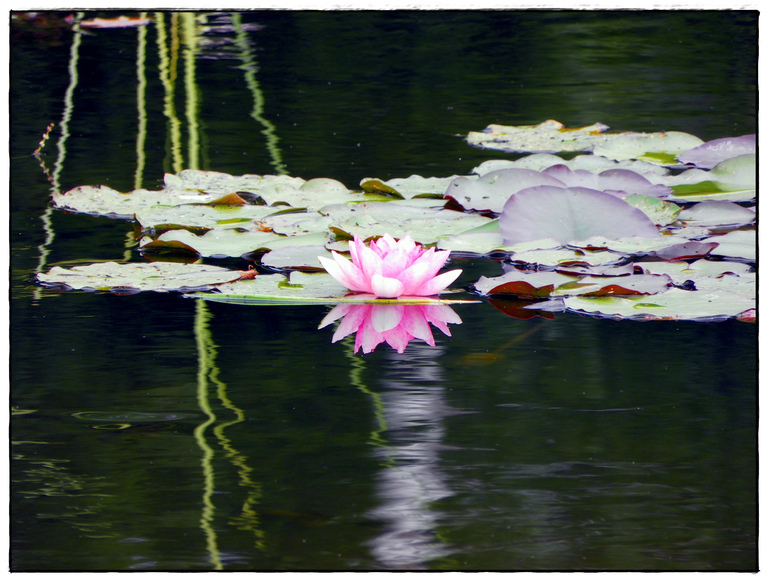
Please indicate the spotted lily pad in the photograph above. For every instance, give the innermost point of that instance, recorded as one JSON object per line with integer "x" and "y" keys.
{"x": 550, "y": 136}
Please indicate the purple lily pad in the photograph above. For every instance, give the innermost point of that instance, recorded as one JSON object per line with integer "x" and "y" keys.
{"x": 620, "y": 182}
{"x": 709, "y": 154}
{"x": 570, "y": 214}
{"x": 492, "y": 190}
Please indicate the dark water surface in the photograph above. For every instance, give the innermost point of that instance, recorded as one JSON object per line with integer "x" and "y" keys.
{"x": 155, "y": 432}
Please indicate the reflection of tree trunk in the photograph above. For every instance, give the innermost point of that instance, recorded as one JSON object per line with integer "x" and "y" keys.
{"x": 411, "y": 480}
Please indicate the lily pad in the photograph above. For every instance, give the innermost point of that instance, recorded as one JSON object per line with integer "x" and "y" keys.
{"x": 736, "y": 244}
{"x": 566, "y": 256}
{"x": 571, "y": 214}
{"x": 300, "y": 287}
{"x": 424, "y": 225}
{"x": 592, "y": 163}
{"x": 491, "y": 191}
{"x": 410, "y": 187}
{"x": 662, "y": 148}
{"x": 673, "y": 304}
{"x": 620, "y": 182}
{"x": 202, "y": 216}
{"x": 550, "y": 136}
{"x": 212, "y": 244}
{"x": 661, "y": 212}
{"x": 717, "y": 213}
{"x": 530, "y": 284}
{"x": 711, "y": 153}
{"x": 126, "y": 277}
{"x": 543, "y": 284}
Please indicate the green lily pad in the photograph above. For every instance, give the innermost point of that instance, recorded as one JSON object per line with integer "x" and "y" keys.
{"x": 408, "y": 188}
{"x": 127, "y": 277}
{"x": 300, "y": 287}
{"x": 424, "y": 225}
{"x": 659, "y": 211}
{"x": 682, "y": 271}
{"x": 202, "y": 216}
{"x": 662, "y": 148}
{"x": 673, "y": 304}
{"x": 566, "y": 256}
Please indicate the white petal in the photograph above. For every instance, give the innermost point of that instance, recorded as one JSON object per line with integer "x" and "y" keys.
{"x": 386, "y": 288}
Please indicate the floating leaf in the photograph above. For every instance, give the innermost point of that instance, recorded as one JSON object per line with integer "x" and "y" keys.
{"x": 717, "y": 213}
{"x": 621, "y": 182}
{"x": 711, "y": 153}
{"x": 591, "y": 163}
{"x": 736, "y": 244}
{"x": 571, "y": 214}
{"x": 300, "y": 287}
{"x": 216, "y": 243}
{"x": 296, "y": 257}
{"x": 202, "y": 216}
{"x": 673, "y": 304}
{"x": 682, "y": 271}
{"x": 565, "y": 256}
{"x": 661, "y": 148}
{"x": 632, "y": 284}
{"x": 660, "y": 212}
{"x": 491, "y": 191}
{"x": 424, "y": 225}
{"x": 155, "y": 276}
{"x": 543, "y": 284}
{"x": 684, "y": 251}
{"x": 550, "y": 136}
{"x": 523, "y": 283}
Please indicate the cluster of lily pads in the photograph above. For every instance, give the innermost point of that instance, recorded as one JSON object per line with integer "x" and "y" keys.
{"x": 625, "y": 225}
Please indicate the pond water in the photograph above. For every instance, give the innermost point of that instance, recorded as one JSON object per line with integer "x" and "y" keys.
{"x": 157, "y": 432}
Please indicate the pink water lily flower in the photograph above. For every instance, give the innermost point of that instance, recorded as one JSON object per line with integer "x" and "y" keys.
{"x": 389, "y": 269}
{"x": 397, "y": 324}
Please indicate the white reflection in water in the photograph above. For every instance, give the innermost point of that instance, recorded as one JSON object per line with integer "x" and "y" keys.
{"x": 411, "y": 480}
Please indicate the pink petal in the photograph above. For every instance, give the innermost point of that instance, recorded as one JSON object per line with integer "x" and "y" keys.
{"x": 438, "y": 284}
{"x": 370, "y": 263}
{"x": 414, "y": 277}
{"x": 344, "y": 272}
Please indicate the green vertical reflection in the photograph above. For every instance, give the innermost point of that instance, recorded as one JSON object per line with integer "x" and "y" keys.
{"x": 189, "y": 29}
{"x": 356, "y": 369}
{"x": 250, "y": 66}
{"x": 205, "y": 357}
{"x": 74, "y": 56}
{"x": 168, "y": 58}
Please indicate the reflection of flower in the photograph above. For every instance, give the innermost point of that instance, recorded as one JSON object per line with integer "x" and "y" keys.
{"x": 395, "y": 324}
{"x": 390, "y": 269}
